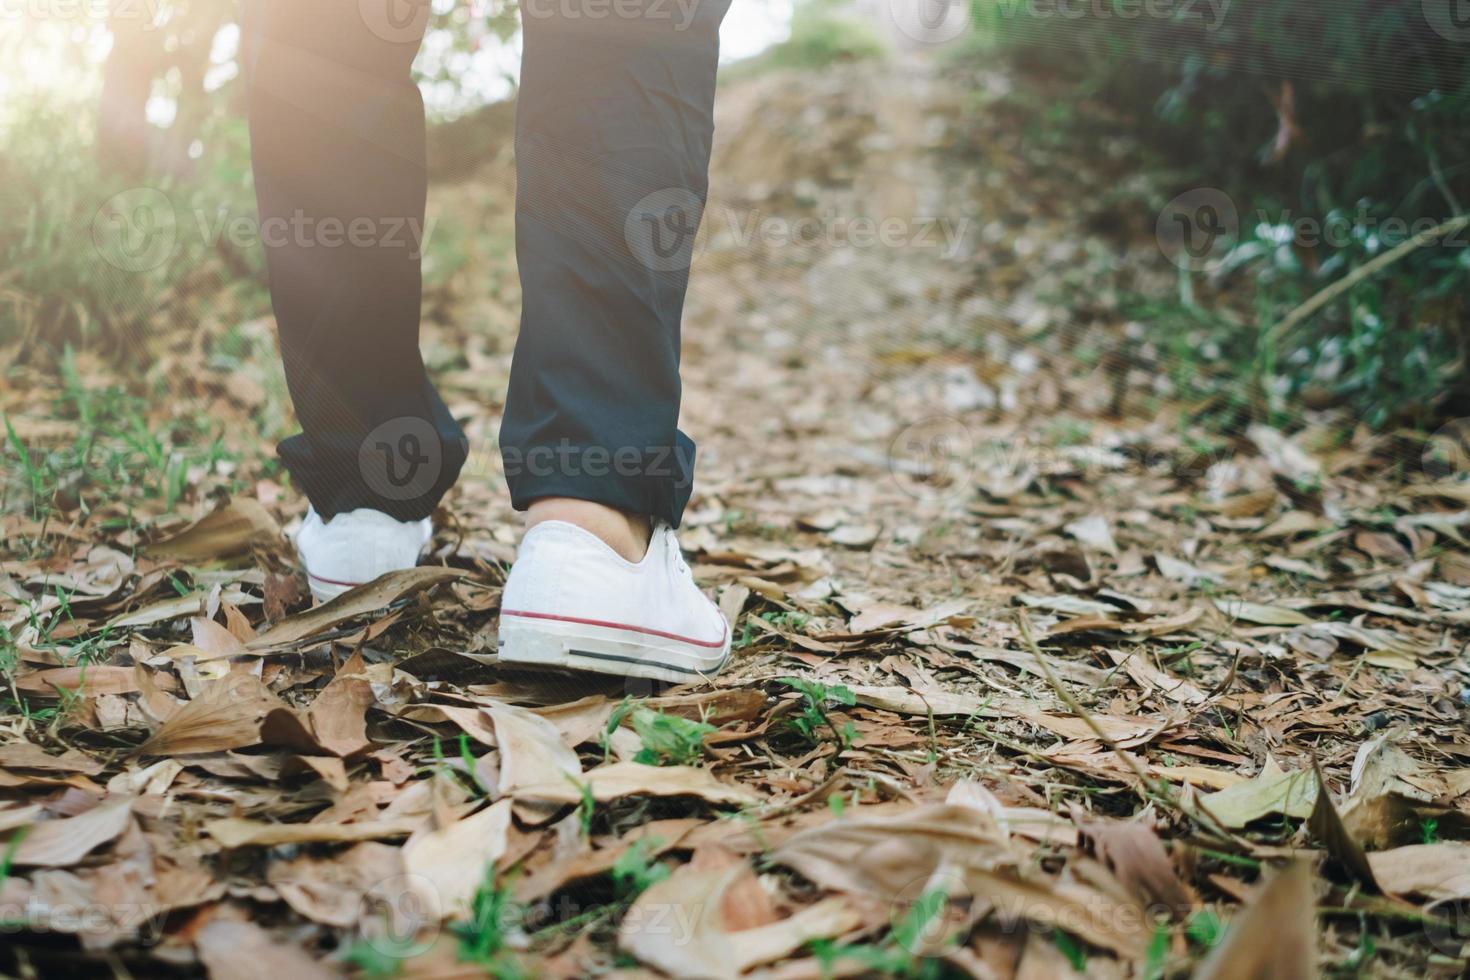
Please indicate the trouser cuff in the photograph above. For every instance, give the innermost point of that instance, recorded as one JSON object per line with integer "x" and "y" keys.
{"x": 655, "y": 481}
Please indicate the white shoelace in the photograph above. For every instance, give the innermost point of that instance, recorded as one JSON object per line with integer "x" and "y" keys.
{"x": 674, "y": 551}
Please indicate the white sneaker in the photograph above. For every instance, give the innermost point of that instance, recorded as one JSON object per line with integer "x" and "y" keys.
{"x": 355, "y": 547}
{"x": 572, "y": 601}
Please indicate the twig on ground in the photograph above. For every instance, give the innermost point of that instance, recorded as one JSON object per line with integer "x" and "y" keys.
{"x": 1157, "y": 791}
{"x": 1324, "y": 296}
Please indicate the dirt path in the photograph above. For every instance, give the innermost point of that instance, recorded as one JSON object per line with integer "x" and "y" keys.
{"x": 918, "y": 457}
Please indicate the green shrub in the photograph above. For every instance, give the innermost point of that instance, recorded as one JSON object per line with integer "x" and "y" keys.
{"x": 94, "y": 257}
{"x": 1352, "y": 116}
{"x": 823, "y": 34}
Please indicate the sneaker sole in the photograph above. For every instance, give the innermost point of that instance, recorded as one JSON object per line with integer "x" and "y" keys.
{"x": 325, "y": 590}
{"x": 607, "y": 649}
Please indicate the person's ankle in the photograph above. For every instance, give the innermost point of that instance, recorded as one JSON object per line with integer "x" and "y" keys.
{"x": 627, "y": 534}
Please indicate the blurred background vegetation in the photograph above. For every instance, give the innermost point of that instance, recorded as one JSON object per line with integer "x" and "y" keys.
{"x": 1353, "y": 116}
{"x": 1350, "y": 115}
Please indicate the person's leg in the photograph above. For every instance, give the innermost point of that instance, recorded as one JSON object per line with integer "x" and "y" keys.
{"x": 614, "y": 124}
{"x": 623, "y": 531}
{"x": 337, "y": 141}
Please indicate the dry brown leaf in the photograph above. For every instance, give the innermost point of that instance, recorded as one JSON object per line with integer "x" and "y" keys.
{"x": 1157, "y": 626}
{"x": 447, "y": 865}
{"x": 856, "y": 535}
{"x": 1372, "y": 640}
{"x": 715, "y": 707}
{"x": 579, "y": 721}
{"x": 1125, "y": 731}
{"x": 1043, "y": 960}
{"x": 1094, "y": 532}
{"x": 174, "y": 607}
{"x": 226, "y": 715}
{"x": 1285, "y": 457}
{"x": 328, "y": 768}
{"x": 213, "y": 640}
{"x": 85, "y": 682}
{"x": 1152, "y": 679}
{"x": 1275, "y": 937}
{"x": 1327, "y": 826}
{"x": 1183, "y": 572}
{"x": 1029, "y": 822}
{"x": 236, "y": 621}
{"x": 732, "y": 601}
{"x": 154, "y": 780}
{"x": 620, "y": 779}
{"x": 1260, "y": 613}
{"x": 1072, "y": 671}
{"x": 872, "y": 616}
{"x": 1201, "y": 776}
{"x": 470, "y": 720}
{"x": 338, "y": 714}
{"x": 1295, "y": 566}
{"x": 18, "y": 815}
{"x": 1440, "y": 872}
{"x": 1389, "y": 788}
{"x": 531, "y": 750}
{"x": 361, "y": 601}
{"x": 1270, "y": 792}
{"x": 901, "y": 856}
{"x": 238, "y": 832}
{"x": 653, "y": 838}
{"x": 235, "y": 950}
{"x": 905, "y": 700}
{"x": 62, "y": 843}
{"x": 27, "y": 755}
{"x": 237, "y": 527}
{"x": 330, "y": 890}
{"x": 688, "y": 926}
{"x": 1383, "y": 546}
{"x": 1134, "y": 853}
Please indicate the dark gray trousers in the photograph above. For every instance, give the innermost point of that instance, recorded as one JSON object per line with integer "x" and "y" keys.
{"x": 613, "y": 129}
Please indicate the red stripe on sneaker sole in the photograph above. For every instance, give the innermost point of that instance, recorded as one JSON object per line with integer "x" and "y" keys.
{"x": 332, "y": 581}
{"x": 708, "y": 644}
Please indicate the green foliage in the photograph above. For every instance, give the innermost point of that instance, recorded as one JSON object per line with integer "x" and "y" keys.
{"x": 634, "y": 870}
{"x": 1204, "y": 928}
{"x": 1156, "y": 957}
{"x": 1337, "y": 131}
{"x": 897, "y": 955}
{"x": 814, "y": 720}
{"x": 93, "y": 256}
{"x": 371, "y": 959}
{"x": 7, "y": 859}
{"x": 620, "y": 712}
{"x": 586, "y": 805}
{"x": 1074, "y": 952}
{"x": 484, "y": 938}
{"x": 1363, "y": 953}
{"x": 9, "y": 655}
{"x": 909, "y": 932}
{"x": 467, "y": 759}
{"x": 116, "y": 453}
{"x": 823, "y": 34}
{"x": 669, "y": 739}
{"x": 836, "y": 804}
